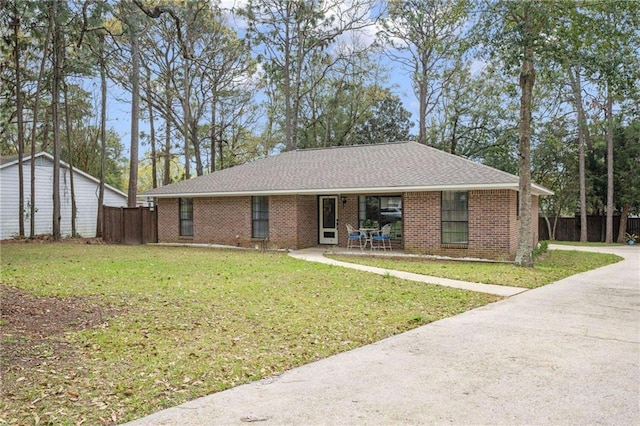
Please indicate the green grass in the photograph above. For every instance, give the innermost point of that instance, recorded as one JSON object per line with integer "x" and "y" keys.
{"x": 588, "y": 244}
{"x": 552, "y": 266}
{"x": 194, "y": 321}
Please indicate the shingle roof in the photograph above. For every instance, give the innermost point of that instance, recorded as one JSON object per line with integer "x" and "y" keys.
{"x": 9, "y": 158}
{"x": 382, "y": 168}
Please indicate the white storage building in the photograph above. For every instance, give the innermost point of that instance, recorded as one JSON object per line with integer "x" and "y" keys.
{"x": 86, "y": 196}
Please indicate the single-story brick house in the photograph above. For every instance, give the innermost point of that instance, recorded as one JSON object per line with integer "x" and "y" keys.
{"x": 437, "y": 203}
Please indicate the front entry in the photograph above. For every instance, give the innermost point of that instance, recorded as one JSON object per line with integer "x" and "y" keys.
{"x": 328, "y": 220}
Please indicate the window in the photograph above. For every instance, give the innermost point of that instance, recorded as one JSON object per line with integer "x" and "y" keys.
{"x": 186, "y": 217}
{"x": 455, "y": 217}
{"x": 260, "y": 216}
{"x": 377, "y": 211}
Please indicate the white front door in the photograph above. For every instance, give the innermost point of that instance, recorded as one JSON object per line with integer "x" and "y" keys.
{"x": 328, "y": 220}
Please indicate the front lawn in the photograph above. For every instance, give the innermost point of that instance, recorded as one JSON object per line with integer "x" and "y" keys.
{"x": 99, "y": 334}
{"x": 551, "y": 266}
{"x": 588, "y": 244}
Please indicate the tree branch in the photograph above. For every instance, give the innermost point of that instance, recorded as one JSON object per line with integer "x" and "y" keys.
{"x": 156, "y": 12}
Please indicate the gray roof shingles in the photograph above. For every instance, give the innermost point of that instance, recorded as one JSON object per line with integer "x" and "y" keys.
{"x": 385, "y": 167}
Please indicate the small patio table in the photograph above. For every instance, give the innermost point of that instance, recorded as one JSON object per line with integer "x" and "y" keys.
{"x": 367, "y": 236}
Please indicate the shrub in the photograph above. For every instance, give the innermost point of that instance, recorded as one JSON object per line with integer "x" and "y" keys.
{"x": 540, "y": 249}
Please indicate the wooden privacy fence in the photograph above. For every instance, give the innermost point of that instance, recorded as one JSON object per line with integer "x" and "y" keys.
{"x": 568, "y": 228}
{"x": 129, "y": 225}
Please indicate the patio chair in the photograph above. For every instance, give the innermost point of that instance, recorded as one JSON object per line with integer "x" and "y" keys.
{"x": 382, "y": 238}
{"x": 354, "y": 235}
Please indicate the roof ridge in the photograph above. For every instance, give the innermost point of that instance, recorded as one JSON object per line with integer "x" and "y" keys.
{"x": 348, "y": 146}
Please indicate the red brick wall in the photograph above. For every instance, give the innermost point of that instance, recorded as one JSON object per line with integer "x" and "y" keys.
{"x": 347, "y": 214}
{"x": 490, "y": 216}
{"x": 534, "y": 214}
{"x": 168, "y": 220}
{"x": 222, "y": 220}
{"x": 307, "y": 227}
{"x": 283, "y": 219}
{"x": 421, "y": 215}
{"x": 491, "y": 225}
{"x": 293, "y": 221}
{"x": 514, "y": 222}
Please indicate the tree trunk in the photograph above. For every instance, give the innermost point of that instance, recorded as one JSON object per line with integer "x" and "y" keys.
{"x": 422, "y": 101}
{"x": 221, "y": 146}
{"x": 524, "y": 253}
{"x": 622, "y": 230}
{"x": 290, "y": 145}
{"x": 193, "y": 133}
{"x": 212, "y": 162}
{"x": 166, "y": 174}
{"x": 55, "y": 121}
{"x": 152, "y": 136}
{"x": 555, "y": 224}
{"x": 103, "y": 137}
{"x": 187, "y": 115}
{"x": 609, "y": 119}
{"x": 36, "y": 109}
{"x": 135, "y": 108}
{"x": 70, "y": 161}
{"x": 547, "y": 222}
{"x": 16, "y": 56}
{"x": 583, "y": 137}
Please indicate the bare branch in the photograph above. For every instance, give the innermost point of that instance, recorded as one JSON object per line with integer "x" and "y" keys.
{"x": 156, "y": 12}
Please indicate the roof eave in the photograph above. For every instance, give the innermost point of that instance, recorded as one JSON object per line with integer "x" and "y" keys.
{"x": 65, "y": 165}
{"x": 536, "y": 190}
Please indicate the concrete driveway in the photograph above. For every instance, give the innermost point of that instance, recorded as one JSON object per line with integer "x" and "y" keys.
{"x": 566, "y": 353}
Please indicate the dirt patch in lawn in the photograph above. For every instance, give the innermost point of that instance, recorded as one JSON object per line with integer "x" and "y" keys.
{"x": 48, "y": 239}
{"x": 32, "y": 328}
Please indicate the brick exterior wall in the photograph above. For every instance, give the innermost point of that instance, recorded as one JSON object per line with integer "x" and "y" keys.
{"x": 167, "y": 219}
{"x": 421, "y": 214}
{"x": 491, "y": 214}
{"x": 492, "y": 225}
{"x": 347, "y": 214}
{"x": 534, "y": 215}
{"x": 222, "y": 220}
{"x": 307, "y": 226}
{"x": 293, "y": 223}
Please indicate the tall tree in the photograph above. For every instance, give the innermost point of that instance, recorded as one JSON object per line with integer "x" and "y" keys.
{"x": 132, "y": 26}
{"x": 584, "y": 140}
{"x": 426, "y": 37}
{"x": 597, "y": 42}
{"x": 474, "y": 117}
{"x": 515, "y": 32}
{"x": 69, "y": 132}
{"x": 55, "y": 113}
{"x": 292, "y": 34}
{"x": 36, "y": 110}
{"x": 15, "y": 23}
{"x": 387, "y": 121}
{"x": 100, "y": 51}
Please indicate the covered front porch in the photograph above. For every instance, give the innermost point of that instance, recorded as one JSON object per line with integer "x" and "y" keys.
{"x": 368, "y": 214}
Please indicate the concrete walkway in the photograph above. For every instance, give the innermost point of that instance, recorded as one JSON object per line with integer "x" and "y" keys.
{"x": 317, "y": 255}
{"x": 565, "y": 353}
